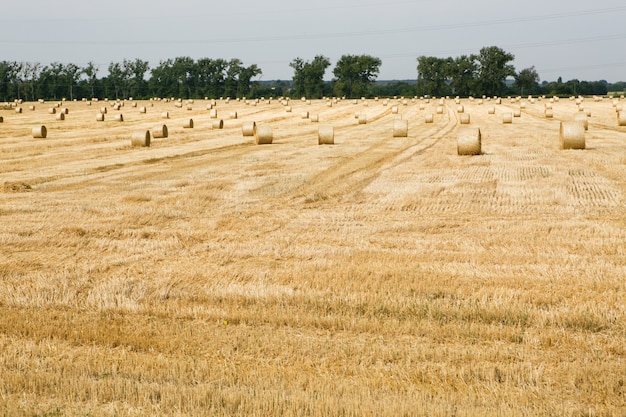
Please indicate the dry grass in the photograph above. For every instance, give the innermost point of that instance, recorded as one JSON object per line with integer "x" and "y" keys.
{"x": 209, "y": 276}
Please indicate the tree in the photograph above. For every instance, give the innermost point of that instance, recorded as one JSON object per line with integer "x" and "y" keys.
{"x": 462, "y": 72}
{"x": 135, "y": 72}
{"x": 308, "y": 78}
{"x": 493, "y": 69}
{"x": 91, "y": 72}
{"x": 527, "y": 79}
{"x": 433, "y": 75}
{"x": 355, "y": 74}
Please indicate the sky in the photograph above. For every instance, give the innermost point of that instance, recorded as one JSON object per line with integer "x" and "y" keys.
{"x": 571, "y": 39}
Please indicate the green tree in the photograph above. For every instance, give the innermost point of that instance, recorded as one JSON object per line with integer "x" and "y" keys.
{"x": 433, "y": 75}
{"x": 91, "y": 72}
{"x": 493, "y": 69}
{"x": 462, "y": 72}
{"x": 135, "y": 72}
{"x": 527, "y": 80}
{"x": 355, "y": 74}
{"x": 308, "y": 78}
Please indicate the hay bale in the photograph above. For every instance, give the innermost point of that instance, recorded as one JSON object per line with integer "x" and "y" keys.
{"x": 305, "y": 115}
{"x": 460, "y": 109}
{"x": 233, "y": 115}
{"x": 248, "y": 128}
{"x": 40, "y": 132}
{"x": 572, "y": 135}
{"x": 549, "y": 113}
{"x": 100, "y": 117}
{"x": 1, "y": 119}
{"x": 18, "y": 110}
{"x": 400, "y": 129}
{"x": 142, "y": 109}
{"x": 60, "y": 116}
{"x": 439, "y": 110}
{"x": 314, "y": 118}
{"x": 263, "y": 135}
{"x": 621, "y": 118}
{"x": 469, "y": 141}
{"x": 465, "y": 119}
{"x": 582, "y": 118}
{"x": 218, "y": 124}
{"x": 362, "y": 118}
{"x": 31, "y": 108}
{"x": 119, "y": 117}
{"x": 213, "y": 114}
{"x": 165, "y": 115}
{"x": 160, "y": 131}
{"x": 103, "y": 110}
{"x": 491, "y": 110}
{"x": 507, "y": 117}
{"x": 326, "y": 135}
{"x": 141, "y": 138}
{"x": 188, "y": 124}
{"x": 288, "y": 109}
{"x": 52, "y": 110}
{"x": 394, "y": 110}
{"x": 517, "y": 113}
{"x": 429, "y": 118}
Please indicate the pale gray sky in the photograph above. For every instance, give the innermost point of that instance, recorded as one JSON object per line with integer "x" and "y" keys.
{"x": 567, "y": 38}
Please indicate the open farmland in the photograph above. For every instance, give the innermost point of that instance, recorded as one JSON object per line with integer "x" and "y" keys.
{"x": 381, "y": 275}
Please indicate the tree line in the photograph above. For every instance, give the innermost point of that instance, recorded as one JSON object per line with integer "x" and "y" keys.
{"x": 489, "y": 72}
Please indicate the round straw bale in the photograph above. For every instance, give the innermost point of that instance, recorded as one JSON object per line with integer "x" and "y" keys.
{"x": 142, "y": 109}
{"x": 119, "y": 117}
{"x": 18, "y": 110}
{"x": 315, "y": 118}
{"x": 400, "y": 128}
{"x": 218, "y": 124}
{"x": 460, "y": 109}
{"x": 40, "y": 132}
{"x": 141, "y": 138}
{"x": 100, "y": 117}
{"x": 621, "y": 118}
{"x": 213, "y": 114}
{"x": 248, "y": 128}
{"x": 288, "y": 109}
{"x": 52, "y": 110}
{"x": 188, "y": 124}
{"x": 439, "y": 110}
{"x": 517, "y": 113}
{"x": 305, "y": 115}
{"x": 507, "y": 117}
{"x": 465, "y": 119}
{"x": 572, "y": 135}
{"x": 165, "y": 115}
{"x": 326, "y": 135}
{"x": 103, "y": 110}
{"x": 263, "y": 135}
{"x": 134, "y": 104}
{"x": 491, "y": 110}
{"x": 160, "y": 131}
{"x": 60, "y": 116}
{"x": 31, "y": 107}
{"x": 429, "y": 118}
{"x": 362, "y": 118}
{"x": 189, "y": 107}
{"x": 469, "y": 141}
{"x": 583, "y": 119}
{"x": 233, "y": 115}
{"x": 549, "y": 113}
{"x": 394, "y": 110}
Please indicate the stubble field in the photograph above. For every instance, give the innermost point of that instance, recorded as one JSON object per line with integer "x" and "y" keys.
{"x": 379, "y": 276}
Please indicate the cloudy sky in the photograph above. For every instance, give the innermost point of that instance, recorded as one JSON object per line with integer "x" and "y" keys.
{"x": 567, "y": 38}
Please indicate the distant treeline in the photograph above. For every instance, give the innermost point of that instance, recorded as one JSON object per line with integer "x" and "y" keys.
{"x": 487, "y": 73}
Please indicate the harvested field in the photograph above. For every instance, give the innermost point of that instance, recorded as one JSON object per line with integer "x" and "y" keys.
{"x": 387, "y": 276}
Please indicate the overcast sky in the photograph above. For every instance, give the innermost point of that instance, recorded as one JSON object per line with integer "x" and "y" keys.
{"x": 568, "y": 38}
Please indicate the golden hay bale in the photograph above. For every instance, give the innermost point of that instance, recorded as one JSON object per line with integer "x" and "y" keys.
{"x": 165, "y": 115}
{"x": 263, "y": 135}
{"x": 65, "y": 110}
{"x": 213, "y": 114}
{"x": 314, "y": 118}
{"x": 621, "y": 118}
{"x": 465, "y": 119}
{"x": 1, "y": 119}
{"x": 429, "y": 118}
{"x": 460, "y": 109}
{"x": 141, "y": 138}
{"x": 40, "y": 132}
{"x": 60, "y": 116}
{"x": 507, "y": 117}
{"x": 582, "y": 118}
{"x": 233, "y": 115}
{"x": 18, "y": 110}
{"x": 189, "y": 107}
{"x": 288, "y": 109}
{"x": 362, "y": 118}
{"x": 305, "y": 115}
{"x": 491, "y": 110}
{"x": 119, "y": 117}
{"x": 31, "y": 108}
{"x": 572, "y": 135}
{"x": 52, "y": 110}
{"x": 142, "y": 109}
{"x": 218, "y": 124}
{"x": 134, "y": 104}
{"x": 469, "y": 141}
{"x": 400, "y": 128}
{"x": 517, "y": 113}
{"x": 100, "y": 117}
{"x": 326, "y": 135}
{"x": 439, "y": 110}
{"x": 248, "y": 128}
{"x": 549, "y": 113}
{"x": 394, "y": 110}
{"x": 188, "y": 124}
{"x": 160, "y": 131}
{"x": 422, "y": 106}
{"x": 103, "y": 110}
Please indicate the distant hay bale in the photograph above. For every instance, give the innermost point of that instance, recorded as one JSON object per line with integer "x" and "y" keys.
{"x": 248, "y": 128}
{"x": 288, "y": 109}
{"x": 1, "y": 119}
{"x": 469, "y": 141}
{"x": 572, "y": 135}
{"x": 439, "y": 110}
{"x": 429, "y": 118}
{"x": 160, "y": 131}
{"x": 264, "y": 135}
{"x": 465, "y": 119}
{"x": 233, "y": 115}
{"x": 549, "y": 113}
{"x": 582, "y": 118}
{"x": 65, "y": 110}
{"x": 305, "y": 115}
{"x": 100, "y": 117}
{"x": 188, "y": 124}
{"x": 213, "y": 114}
{"x": 165, "y": 115}
{"x": 141, "y": 138}
{"x": 394, "y": 110}
{"x": 491, "y": 110}
{"x": 142, "y": 109}
{"x": 517, "y": 113}
{"x": 40, "y": 132}
{"x": 134, "y": 104}
{"x": 507, "y": 117}
{"x": 400, "y": 129}
{"x": 18, "y": 110}
{"x": 362, "y": 118}
{"x": 52, "y": 110}
{"x": 460, "y": 109}
{"x": 60, "y": 116}
{"x": 189, "y": 107}
{"x": 119, "y": 117}
{"x": 621, "y": 118}
{"x": 31, "y": 107}
{"x": 103, "y": 110}
{"x": 326, "y": 135}
{"x": 218, "y": 124}
{"x": 422, "y": 106}
{"x": 314, "y": 118}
